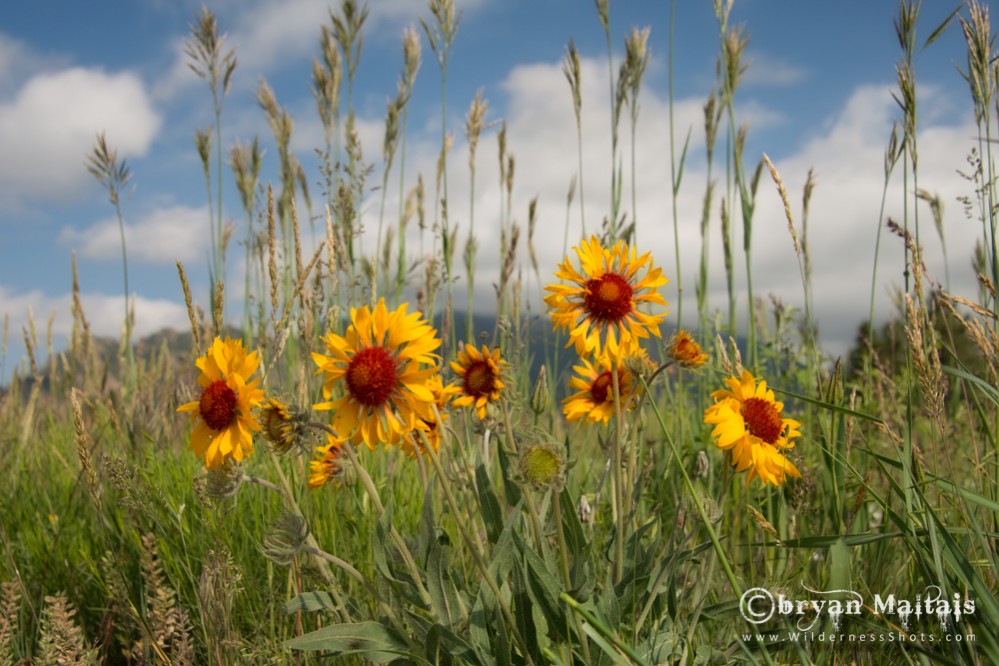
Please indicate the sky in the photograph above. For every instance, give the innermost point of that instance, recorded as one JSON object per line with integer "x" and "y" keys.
{"x": 817, "y": 95}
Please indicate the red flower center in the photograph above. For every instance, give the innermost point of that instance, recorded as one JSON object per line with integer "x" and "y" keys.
{"x": 602, "y": 388}
{"x": 608, "y": 297}
{"x": 371, "y": 376}
{"x": 762, "y": 419}
{"x": 218, "y": 405}
{"x": 479, "y": 379}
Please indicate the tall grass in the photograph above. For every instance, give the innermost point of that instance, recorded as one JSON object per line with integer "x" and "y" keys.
{"x": 524, "y": 538}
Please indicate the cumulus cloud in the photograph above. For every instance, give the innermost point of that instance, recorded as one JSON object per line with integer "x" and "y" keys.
{"x": 160, "y": 236}
{"x": 846, "y": 153}
{"x": 50, "y": 126}
{"x": 104, "y": 312}
{"x": 848, "y": 159}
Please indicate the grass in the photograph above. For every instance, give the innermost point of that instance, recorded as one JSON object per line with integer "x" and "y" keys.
{"x": 523, "y": 539}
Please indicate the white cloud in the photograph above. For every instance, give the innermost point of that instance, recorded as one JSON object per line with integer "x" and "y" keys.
{"x": 49, "y": 128}
{"x": 105, "y": 314}
{"x": 159, "y": 237}
{"x": 846, "y": 153}
{"x": 848, "y": 158}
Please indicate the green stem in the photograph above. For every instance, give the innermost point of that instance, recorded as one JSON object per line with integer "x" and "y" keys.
{"x": 615, "y": 117}
{"x": 582, "y": 189}
{"x": 310, "y": 540}
{"x": 130, "y": 377}
{"x": 471, "y": 255}
{"x": 535, "y": 521}
{"x": 674, "y": 184}
{"x": 401, "y": 266}
{"x": 400, "y": 545}
{"x": 695, "y": 498}
{"x": 378, "y": 240}
{"x": 617, "y": 478}
{"x": 220, "y": 274}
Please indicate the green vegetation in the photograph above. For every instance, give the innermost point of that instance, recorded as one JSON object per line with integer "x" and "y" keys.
{"x": 523, "y": 538}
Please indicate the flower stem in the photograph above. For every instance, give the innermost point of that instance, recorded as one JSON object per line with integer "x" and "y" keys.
{"x": 617, "y": 478}
{"x": 695, "y": 498}
{"x": 285, "y": 490}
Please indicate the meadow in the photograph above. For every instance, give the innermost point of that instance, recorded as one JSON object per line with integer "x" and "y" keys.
{"x": 351, "y": 469}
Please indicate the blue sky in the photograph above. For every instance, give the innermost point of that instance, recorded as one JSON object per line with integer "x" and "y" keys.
{"x": 817, "y": 94}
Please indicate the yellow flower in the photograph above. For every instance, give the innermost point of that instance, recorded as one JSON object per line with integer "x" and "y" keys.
{"x": 279, "y": 426}
{"x": 223, "y": 415}
{"x": 379, "y": 363}
{"x": 594, "y": 398}
{"x": 685, "y": 350}
{"x": 480, "y": 378}
{"x": 600, "y": 307}
{"x": 326, "y": 467}
{"x": 431, "y": 428}
{"x": 748, "y": 423}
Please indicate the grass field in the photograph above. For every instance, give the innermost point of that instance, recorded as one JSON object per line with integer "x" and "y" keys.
{"x": 353, "y": 471}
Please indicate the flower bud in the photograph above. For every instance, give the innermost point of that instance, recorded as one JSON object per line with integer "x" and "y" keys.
{"x": 542, "y": 463}
{"x": 683, "y": 349}
{"x": 285, "y": 539}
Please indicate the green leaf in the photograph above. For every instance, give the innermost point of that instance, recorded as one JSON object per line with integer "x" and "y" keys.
{"x": 722, "y": 610}
{"x": 501, "y": 646}
{"x": 310, "y": 602}
{"x": 615, "y": 655}
{"x": 596, "y": 627}
{"x": 827, "y": 405}
{"x": 985, "y": 600}
{"x": 940, "y": 29}
{"x": 839, "y": 565}
{"x": 543, "y": 587}
{"x": 443, "y": 596}
{"x": 577, "y": 545}
{"x": 969, "y": 495}
{"x": 380, "y": 547}
{"x": 370, "y": 640}
{"x": 513, "y": 494}
{"x": 660, "y": 647}
{"x": 483, "y": 632}
{"x": 823, "y": 541}
{"x": 452, "y": 644}
{"x": 399, "y": 583}
{"x": 990, "y": 391}
{"x": 428, "y": 523}
{"x": 883, "y": 459}
{"x": 682, "y": 162}
{"x": 492, "y": 515}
